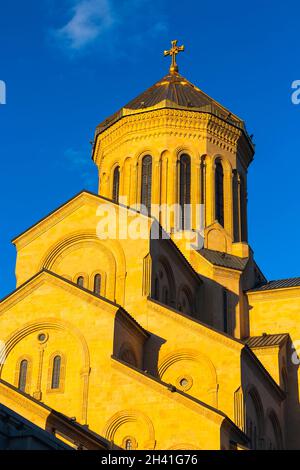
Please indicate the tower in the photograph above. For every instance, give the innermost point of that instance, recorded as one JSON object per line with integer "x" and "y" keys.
{"x": 154, "y": 343}
{"x": 183, "y": 157}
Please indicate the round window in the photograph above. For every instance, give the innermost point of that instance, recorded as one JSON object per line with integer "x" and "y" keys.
{"x": 42, "y": 337}
{"x": 184, "y": 382}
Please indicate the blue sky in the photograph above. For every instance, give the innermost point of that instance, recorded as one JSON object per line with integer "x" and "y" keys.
{"x": 68, "y": 64}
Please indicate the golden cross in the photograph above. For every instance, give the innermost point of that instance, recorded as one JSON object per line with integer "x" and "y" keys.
{"x": 173, "y": 52}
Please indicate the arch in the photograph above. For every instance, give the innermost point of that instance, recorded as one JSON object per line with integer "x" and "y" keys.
{"x": 224, "y": 161}
{"x": 28, "y": 359}
{"x": 255, "y": 426}
{"x": 164, "y": 266}
{"x": 184, "y": 191}
{"x": 56, "y": 372}
{"x": 129, "y": 416}
{"x": 62, "y": 372}
{"x": 102, "y": 283}
{"x": 184, "y": 446}
{"x": 23, "y": 374}
{"x": 186, "y": 291}
{"x": 116, "y": 184}
{"x": 80, "y": 280}
{"x": 146, "y": 183}
{"x": 272, "y": 416}
{"x": 129, "y": 443}
{"x": 97, "y": 284}
{"x": 189, "y": 355}
{"x": 52, "y": 324}
{"x": 112, "y": 249}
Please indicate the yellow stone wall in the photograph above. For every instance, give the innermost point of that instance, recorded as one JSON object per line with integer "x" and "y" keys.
{"x": 99, "y": 390}
{"x": 166, "y": 134}
{"x": 148, "y": 374}
{"x": 274, "y": 312}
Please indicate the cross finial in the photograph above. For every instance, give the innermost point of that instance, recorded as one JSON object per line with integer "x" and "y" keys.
{"x": 173, "y": 53}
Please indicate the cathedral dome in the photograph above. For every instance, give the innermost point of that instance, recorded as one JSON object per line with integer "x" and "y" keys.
{"x": 173, "y": 91}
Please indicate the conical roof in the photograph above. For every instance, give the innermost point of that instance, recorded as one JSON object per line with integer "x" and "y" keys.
{"x": 173, "y": 91}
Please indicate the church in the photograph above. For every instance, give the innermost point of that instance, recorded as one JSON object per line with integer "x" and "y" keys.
{"x": 140, "y": 319}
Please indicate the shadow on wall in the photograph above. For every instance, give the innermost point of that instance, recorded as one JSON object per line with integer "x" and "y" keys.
{"x": 174, "y": 283}
{"x": 151, "y": 354}
{"x": 290, "y": 384}
{"x": 221, "y": 304}
{"x": 261, "y": 413}
{"x": 74, "y": 434}
{"x": 231, "y": 438}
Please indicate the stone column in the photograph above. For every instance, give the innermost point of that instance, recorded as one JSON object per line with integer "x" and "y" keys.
{"x": 228, "y": 201}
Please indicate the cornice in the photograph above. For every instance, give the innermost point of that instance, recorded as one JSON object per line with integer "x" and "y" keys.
{"x": 162, "y": 388}
{"x": 168, "y": 123}
{"x": 279, "y": 294}
{"x": 52, "y": 219}
{"x": 266, "y": 350}
{"x": 46, "y": 277}
{"x": 191, "y": 322}
{"x": 21, "y": 400}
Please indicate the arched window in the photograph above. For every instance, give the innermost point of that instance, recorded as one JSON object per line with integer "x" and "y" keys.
{"x": 56, "y": 372}
{"x": 97, "y": 284}
{"x": 23, "y": 375}
{"x": 128, "y": 444}
{"x": 146, "y": 183}
{"x": 254, "y": 414}
{"x": 116, "y": 184}
{"x": 80, "y": 281}
{"x": 219, "y": 193}
{"x": 185, "y": 191}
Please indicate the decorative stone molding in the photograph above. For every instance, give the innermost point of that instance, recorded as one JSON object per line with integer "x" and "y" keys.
{"x": 196, "y": 325}
{"x": 53, "y": 324}
{"x": 162, "y": 123}
{"x": 129, "y": 416}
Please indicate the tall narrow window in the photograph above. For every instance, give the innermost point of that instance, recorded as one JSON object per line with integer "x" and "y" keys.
{"x": 80, "y": 281}
{"x": 97, "y": 284}
{"x": 243, "y": 199}
{"x": 23, "y": 375}
{"x": 225, "y": 311}
{"x": 116, "y": 184}
{"x": 185, "y": 191}
{"x": 56, "y": 372}
{"x": 219, "y": 192}
{"x": 146, "y": 183}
